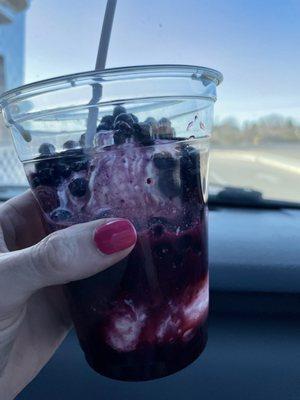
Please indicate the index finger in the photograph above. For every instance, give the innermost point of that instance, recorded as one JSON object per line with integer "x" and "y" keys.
{"x": 21, "y": 222}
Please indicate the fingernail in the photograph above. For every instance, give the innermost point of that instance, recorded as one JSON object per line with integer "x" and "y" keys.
{"x": 115, "y": 236}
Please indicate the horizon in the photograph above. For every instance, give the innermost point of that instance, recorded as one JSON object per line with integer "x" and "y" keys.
{"x": 240, "y": 124}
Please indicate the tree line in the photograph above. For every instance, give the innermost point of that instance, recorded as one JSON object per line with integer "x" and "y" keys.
{"x": 269, "y": 129}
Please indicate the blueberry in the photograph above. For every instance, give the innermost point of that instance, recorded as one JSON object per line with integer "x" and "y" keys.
{"x": 167, "y": 184}
{"x": 164, "y": 160}
{"x": 78, "y": 187}
{"x": 34, "y": 181}
{"x": 63, "y": 169}
{"x": 165, "y": 122}
{"x": 189, "y": 170}
{"x": 135, "y": 118}
{"x": 80, "y": 165}
{"x": 124, "y": 124}
{"x": 60, "y": 215}
{"x": 40, "y": 165}
{"x": 47, "y": 149}
{"x": 70, "y": 144}
{"x": 147, "y": 142}
{"x": 142, "y": 129}
{"x": 119, "y": 137}
{"x": 124, "y": 117}
{"x": 103, "y": 126}
{"x": 165, "y": 130}
{"x": 142, "y": 134}
{"x": 108, "y": 120}
{"x": 118, "y": 110}
{"x": 127, "y": 118}
{"x": 76, "y": 160}
{"x": 49, "y": 177}
{"x": 123, "y": 127}
{"x": 51, "y": 171}
{"x": 153, "y": 124}
{"x": 74, "y": 153}
{"x": 169, "y": 188}
{"x": 151, "y": 121}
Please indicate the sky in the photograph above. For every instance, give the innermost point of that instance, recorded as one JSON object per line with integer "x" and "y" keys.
{"x": 255, "y": 44}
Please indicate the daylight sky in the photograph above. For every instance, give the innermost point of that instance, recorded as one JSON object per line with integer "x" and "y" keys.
{"x": 255, "y": 44}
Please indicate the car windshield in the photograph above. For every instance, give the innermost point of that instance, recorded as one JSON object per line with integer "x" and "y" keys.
{"x": 254, "y": 147}
{"x": 261, "y": 155}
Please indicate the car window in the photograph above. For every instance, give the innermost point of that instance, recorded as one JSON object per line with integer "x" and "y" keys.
{"x": 254, "y": 44}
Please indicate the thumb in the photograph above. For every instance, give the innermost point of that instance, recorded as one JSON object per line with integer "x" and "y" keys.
{"x": 70, "y": 254}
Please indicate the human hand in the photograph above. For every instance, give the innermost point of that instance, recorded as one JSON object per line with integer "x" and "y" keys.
{"x": 34, "y": 318}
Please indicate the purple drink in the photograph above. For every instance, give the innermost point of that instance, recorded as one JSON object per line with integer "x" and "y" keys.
{"x": 145, "y": 317}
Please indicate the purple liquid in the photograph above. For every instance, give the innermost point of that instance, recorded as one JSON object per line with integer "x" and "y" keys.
{"x": 145, "y": 317}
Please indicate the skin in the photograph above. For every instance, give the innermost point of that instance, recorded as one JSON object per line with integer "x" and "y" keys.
{"x": 34, "y": 318}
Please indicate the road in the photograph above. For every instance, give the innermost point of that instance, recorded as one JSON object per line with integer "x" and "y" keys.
{"x": 272, "y": 169}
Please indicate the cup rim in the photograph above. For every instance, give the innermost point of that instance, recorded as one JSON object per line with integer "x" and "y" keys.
{"x": 188, "y": 70}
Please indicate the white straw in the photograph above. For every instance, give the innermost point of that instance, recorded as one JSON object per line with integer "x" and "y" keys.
{"x": 100, "y": 65}
{"x": 105, "y": 34}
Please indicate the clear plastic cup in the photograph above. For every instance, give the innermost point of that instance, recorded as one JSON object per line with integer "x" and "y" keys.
{"x": 147, "y": 161}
